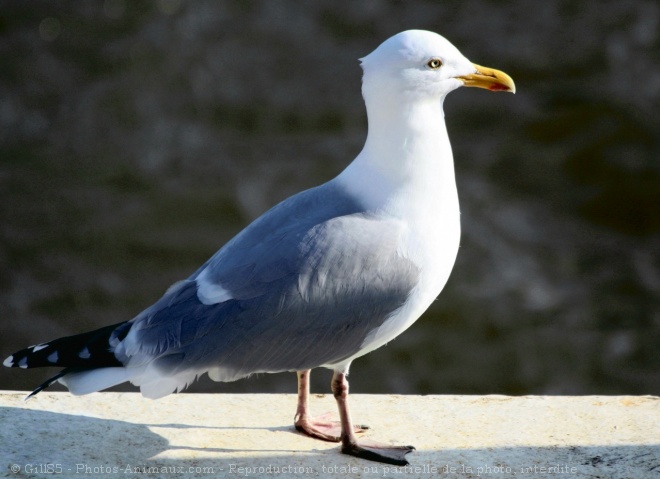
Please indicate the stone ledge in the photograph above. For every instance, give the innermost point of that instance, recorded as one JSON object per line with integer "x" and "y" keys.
{"x": 238, "y": 435}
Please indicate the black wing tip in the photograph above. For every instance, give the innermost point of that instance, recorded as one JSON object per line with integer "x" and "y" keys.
{"x": 85, "y": 350}
{"x": 48, "y": 383}
{"x": 35, "y": 392}
{"x": 37, "y": 355}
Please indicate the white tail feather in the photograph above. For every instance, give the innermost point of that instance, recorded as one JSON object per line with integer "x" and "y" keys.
{"x": 86, "y": 382}
{"x": 155, "y": 384}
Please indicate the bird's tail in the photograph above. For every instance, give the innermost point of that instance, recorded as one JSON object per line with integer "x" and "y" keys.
{"x": 88, "y": 358}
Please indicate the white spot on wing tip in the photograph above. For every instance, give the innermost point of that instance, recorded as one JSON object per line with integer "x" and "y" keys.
{"x": 84, "y": 354}
{"x": 9, "y": 362}
{"x": 23, "y": 363}
{"x": 52, "y": 358}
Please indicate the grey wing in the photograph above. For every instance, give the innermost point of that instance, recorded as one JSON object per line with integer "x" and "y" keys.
{"x": 297, "y": 289}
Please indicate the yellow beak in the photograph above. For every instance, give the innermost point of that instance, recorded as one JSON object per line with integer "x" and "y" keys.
{"x": 489, "y": 78}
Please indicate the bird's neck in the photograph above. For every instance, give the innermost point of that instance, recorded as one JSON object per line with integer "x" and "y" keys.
{"x": 406, "y": 160}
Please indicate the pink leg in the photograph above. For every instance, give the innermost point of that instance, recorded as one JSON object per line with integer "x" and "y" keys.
{"x": 364, "y": 449}
{"x": 321, "y": 427}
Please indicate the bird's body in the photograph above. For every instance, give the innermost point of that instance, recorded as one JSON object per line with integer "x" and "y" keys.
{"x": 275, "y": 298}
{"x": 324, "y": 277}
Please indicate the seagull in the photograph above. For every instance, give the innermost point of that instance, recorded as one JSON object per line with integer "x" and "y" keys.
{"x": 322, "y": 278}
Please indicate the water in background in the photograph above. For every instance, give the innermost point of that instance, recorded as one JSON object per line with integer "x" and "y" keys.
{"x": 136, "y": 138}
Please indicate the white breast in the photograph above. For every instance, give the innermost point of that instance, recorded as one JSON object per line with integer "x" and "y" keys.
{"x": 429, "y": 209}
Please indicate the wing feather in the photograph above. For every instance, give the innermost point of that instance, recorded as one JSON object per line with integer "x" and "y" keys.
{"x": 306, "y": 283}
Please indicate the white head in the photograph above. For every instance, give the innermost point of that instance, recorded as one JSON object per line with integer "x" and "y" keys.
{"x": 421, "y": 64}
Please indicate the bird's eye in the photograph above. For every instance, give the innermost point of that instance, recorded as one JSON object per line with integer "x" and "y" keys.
{"x": 434, "y": 63}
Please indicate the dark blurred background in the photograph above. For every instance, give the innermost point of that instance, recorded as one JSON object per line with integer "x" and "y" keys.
{"x": 137, "y": 137}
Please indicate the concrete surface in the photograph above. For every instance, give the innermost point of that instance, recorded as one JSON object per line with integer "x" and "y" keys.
{"x": 199, "y": 435}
